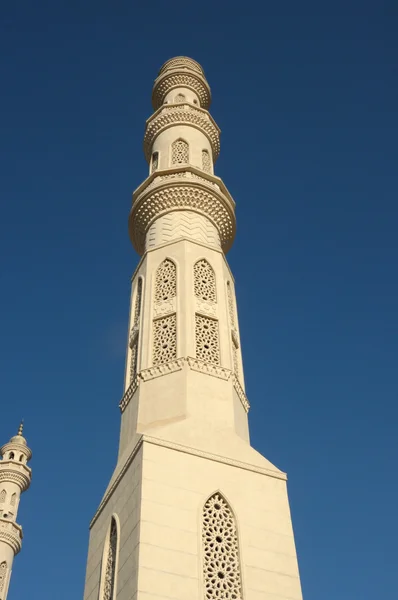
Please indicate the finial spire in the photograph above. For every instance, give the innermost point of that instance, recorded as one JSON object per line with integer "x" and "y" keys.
{"x": 20, "y": 429}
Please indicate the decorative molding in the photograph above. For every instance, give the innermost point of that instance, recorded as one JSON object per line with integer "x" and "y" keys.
{"x": 206, "y": 308}
{"x": 187, "y": 450}
{"x": 207, "y": 368}
{"x": 11, "y": 534}
{"x": 175, "y": 114}
{"x": 129, "y": 393}
{"x": 183, "y": 62}
{"x": 241, "y": 394}
{"x": 174, "y": 78}
{"x": 173, "y": 366}
{"x": 162, "y": 369}
{"x": 178, "y": 195}
{"x": 164, "y": 308}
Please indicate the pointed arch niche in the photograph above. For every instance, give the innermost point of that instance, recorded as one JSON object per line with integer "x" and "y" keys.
{"x": 221, "y": 563}
{"x": 109, "y": 561}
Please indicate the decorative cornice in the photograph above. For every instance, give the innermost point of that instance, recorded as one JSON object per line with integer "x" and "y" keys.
{"x": 177, "y": 365}
{"x": 175, "y": 78}
{"x": 181, "y": 195}
{"x": 239, "y": 390}
{"x": 187, "y": 450}
{"x": 174, "y": 114}
{"x": 160, "y": 370}
{"x": 11, "y": 534}
{"x": 208, "y": 369}
{"x": 16, "y": 473}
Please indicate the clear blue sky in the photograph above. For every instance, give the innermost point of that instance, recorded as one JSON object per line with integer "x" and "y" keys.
{"x": 306, "y": 96}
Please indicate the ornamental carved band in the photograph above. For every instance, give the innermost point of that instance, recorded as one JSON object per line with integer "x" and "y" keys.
{"x": 186, "y": 114}
{"x": 169, "y": 81}
{"x": 181, "y": 195}
{"x": 108, "y": 592}
{"x": 221, "y": 568}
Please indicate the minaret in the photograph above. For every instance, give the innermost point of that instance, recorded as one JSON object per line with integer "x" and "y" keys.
{"x": 15, "y": 477}
{"x": 192, "y": 510}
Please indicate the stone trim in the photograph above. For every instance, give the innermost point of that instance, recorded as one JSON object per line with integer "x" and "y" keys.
{"x": 181, "y": 195}
{"x": 239, "y": 390}
{"x": 188, "y": 450}
{"x": 165, "y": 307}
{"x": 175, "y": 114}
{"x": 201, "y": 366}
{"x": 128, "y": 394}
{"x": 11, "y": 534}
{"x": 173, "y": 366}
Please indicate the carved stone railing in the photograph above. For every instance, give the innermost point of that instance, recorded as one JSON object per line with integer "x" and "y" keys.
{"x": 15, "y": 472}
{"x": 182, "y": 194}
{"x": 11, "y": 534}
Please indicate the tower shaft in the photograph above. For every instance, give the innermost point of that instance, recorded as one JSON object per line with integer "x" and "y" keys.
{"x": 192, "y": 510}
{"x": 15, "y": 477}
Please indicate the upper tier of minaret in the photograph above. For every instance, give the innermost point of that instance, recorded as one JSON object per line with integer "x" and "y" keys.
{"x": 181, "y": 146}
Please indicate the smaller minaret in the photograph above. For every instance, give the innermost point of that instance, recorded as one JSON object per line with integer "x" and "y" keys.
{"x": 15, "y": 477}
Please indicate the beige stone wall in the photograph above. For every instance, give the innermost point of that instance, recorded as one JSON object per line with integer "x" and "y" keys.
{"x": 125, "y": 503}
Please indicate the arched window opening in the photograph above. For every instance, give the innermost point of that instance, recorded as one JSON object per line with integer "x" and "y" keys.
{"x": 13, "y": 499}
{"x": 221, "y": 565}
{"x": 179, "y": 98}
{"x": 11, "y": 455}
{"x": 21, "y": 458}
{"x": 155, "y": 162}
{"x": 179, "y": 152}
{"x": 109, "y": 564}
{"x": 206, "y": 162}
{"x": 3, "y": 574}
{"x": 3, "y": 496}
{"x": 166, "y": 281}
{"x": 204, "y": 281}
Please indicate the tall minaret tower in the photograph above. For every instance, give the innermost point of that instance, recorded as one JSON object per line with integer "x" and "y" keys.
{"x": 15, "y": 476}
{"x": 192, "y": 511}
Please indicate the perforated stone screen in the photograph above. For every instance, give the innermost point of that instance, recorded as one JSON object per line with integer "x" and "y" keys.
{"x": 164, "y": 339}
{"x": 221, "y": 568}
{"x": 166, "y": 281}
{"x": 206, "y": 162}
{"x": 207, "y": 339}
{"x": 109, "y": 577}
{"x": 204, "y": 281}
{"x": 179, "y": 152}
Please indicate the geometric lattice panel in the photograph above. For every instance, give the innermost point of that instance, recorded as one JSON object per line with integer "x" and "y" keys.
{"x": 164, "y": 339}
{"x": 109, "y": 577}
{"x": 221, "y": 568}
{"x": 206, "y": 163}
{"x": 204, "y": 281}
{"x": 207, "y": 339}
{"x": 179, "y": 152}
{"x": 166, "y": 281}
